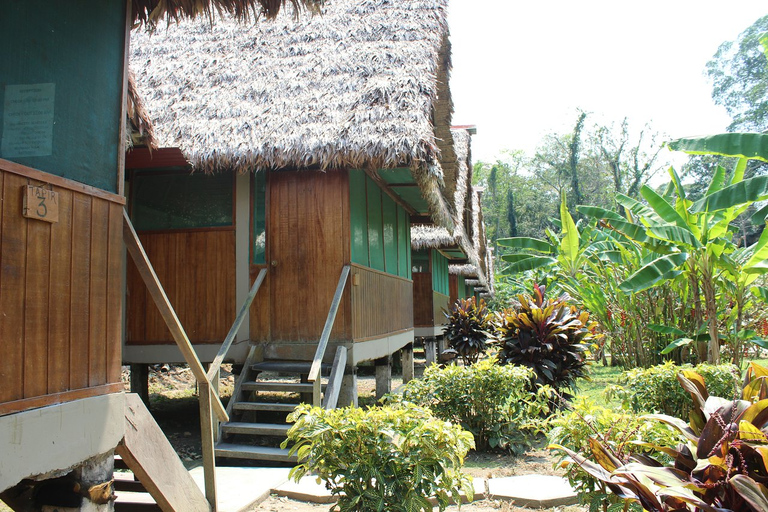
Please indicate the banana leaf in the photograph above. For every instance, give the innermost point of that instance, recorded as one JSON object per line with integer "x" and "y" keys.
{"x": 569, "y": 245}
{"x": 679, "y": 342}
{"x": 662, "y": 208}
{"x": 742, "y": 145}
{"x": 760, "y": 216}
{"x": 761, "y": 292}
{"x": 676, "y": 234}
{"x": 738, "y": 194}
{"x": 658, "y": 270}
{"x": 599, "y": 213}
{"x": 533, "y": 244}
{"x": 531, "y": 263}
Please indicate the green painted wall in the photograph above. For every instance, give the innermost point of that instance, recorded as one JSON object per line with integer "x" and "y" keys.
{"x": 380, "y": 228}
{"x": 440, "y": 273}
{"x": 61, "y": 76}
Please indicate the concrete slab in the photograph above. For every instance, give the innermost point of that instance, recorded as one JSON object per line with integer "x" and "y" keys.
{"x": 306, "y": 489}
{"x": 533, "y": 491}
{"x": 238, "y": 489}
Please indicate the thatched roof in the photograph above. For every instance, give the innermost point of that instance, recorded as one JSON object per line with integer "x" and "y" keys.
{"x": 466, "y": 270}
{"x": 354, "y": 87}
{"x": 430, "y": 237}
{"x": 149, "y": 12}
{"x": 139, "y": 125}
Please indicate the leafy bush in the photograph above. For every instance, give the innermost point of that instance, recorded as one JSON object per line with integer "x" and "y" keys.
{"x": 720, "y": 467}
{"x": 656, "y": 389}
{"x": 493, "y": 402}
{"x": 383, "y": 458}
{"x": 467, "y": 329}
{"x": 549, "y": 336}
{"x": 586, "y": 422}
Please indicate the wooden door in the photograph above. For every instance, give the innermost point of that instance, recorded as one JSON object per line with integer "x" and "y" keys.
{"x": 307, "y": 246}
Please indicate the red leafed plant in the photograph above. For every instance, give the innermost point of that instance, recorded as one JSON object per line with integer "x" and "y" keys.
{"x": 722, "y": 466}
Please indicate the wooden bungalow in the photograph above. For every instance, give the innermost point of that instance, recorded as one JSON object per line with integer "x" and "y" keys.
{"x": 299, "y": 153}
{"x": 63, "y": 85}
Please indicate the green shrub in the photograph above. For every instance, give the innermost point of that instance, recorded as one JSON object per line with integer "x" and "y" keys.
{"x": 467, "y": 329}
{"x": 621, "y": 432}
{"x": 656, "y": 389}
{"x": 491, "y": 401}
{"x": 548, "y": 335}
{"x": 384, "y": 458}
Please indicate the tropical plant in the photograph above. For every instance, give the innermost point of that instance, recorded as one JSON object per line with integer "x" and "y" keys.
{"x": 720, "y": 467}
{"x": 549, "y": 336}
{"x": 493, "y": 402}
{"x": 623, "y": 432}
{"x": 656, "y": 389}
{"x": 383, "y": 458}
{"x": 468, "y": 328}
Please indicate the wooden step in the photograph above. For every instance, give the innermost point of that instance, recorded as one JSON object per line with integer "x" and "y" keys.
{"x": 285, "y": 387}
{"x": 126, "y": 481}
{"x": 120, "y": 463}
{"x": 255, "y": 429}
{"x": 242, "y": 451}
{"x": 264, "y": 406}
{"x": 297, "y": 367}
{"x": 136, "y": 502}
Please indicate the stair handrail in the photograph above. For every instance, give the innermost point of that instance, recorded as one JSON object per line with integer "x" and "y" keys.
{"x": 331, "y": 398}
{"x": 314, "y": 372}
{"x": 213, "y": 369}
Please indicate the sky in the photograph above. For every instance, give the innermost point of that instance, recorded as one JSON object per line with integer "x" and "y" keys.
{"x": 522, "y": 70}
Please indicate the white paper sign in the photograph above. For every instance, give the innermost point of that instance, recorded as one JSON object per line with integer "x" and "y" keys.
{"x": 28, "y": 120}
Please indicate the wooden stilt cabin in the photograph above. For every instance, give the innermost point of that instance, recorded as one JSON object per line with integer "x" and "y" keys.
{"x": 63, "y": 86}
{"x": 299, "y": 157}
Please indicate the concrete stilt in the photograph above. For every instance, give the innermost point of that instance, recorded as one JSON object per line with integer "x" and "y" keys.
{"x": 383, "y": 376}
{"x": 348, "y": 392}
{"x": 430, "y": 350}
{"x": 406, "y": 357}
{"x": 140, "y": 382}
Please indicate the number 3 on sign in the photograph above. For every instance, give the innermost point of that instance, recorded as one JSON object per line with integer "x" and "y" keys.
{"x": 41, "y": 204}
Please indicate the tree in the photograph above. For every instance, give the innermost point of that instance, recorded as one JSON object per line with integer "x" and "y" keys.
{"x": 740, "y": 79}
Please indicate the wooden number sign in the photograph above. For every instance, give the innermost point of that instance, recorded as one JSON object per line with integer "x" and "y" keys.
{"x": 41, "y": 204}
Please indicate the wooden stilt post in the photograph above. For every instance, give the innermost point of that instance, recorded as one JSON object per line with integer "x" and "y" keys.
{"x": 383, "y": 376}
{"x": 206, "y": 432}
{"x": 140, "y": 382}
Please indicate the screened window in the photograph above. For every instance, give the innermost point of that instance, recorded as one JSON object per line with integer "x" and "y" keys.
{"x": 259, "y": 184}
{"x": 166, "y": 201}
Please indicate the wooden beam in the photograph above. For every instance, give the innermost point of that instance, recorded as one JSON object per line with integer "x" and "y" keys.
{"x": 396, "y": 198}
{"x": 422, "y": 219}
{"x": 208, "y": 449}
{"x": 155, "y": 289}
{"x": 150, "y": 456}
{"x": 334, "y": 381}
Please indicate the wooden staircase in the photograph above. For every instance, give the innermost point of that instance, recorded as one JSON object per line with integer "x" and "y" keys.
{"x": 264, "y": 395}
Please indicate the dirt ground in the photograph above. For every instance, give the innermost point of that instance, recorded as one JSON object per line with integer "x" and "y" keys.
{"x": 174, "y": 405}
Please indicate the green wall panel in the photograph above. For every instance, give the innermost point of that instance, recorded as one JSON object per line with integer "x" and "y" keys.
{"x": 61, "y": 76}
{"x": 375, "y": 223}
{"x": 403, "y": 243}
{"x": 439, "y": 273}
{"x": 389, "y": 210}
{"x": 359, "y": 217}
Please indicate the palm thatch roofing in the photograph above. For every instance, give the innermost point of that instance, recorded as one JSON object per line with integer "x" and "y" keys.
{"x": 139, "y": 125}
{"x": 362, "y": 85}
{"x": 149, "y": 12}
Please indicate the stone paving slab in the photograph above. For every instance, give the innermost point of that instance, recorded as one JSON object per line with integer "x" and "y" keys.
{"x": 533, "y": 491}
{"x": 238, "y": 489}
{"x": 306, "y": 489}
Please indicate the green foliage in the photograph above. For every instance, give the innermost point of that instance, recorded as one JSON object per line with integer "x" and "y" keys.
{"x": 623, "y": 432}
{"x": 467, "y": 329}
{"x": 549, "y": 336}
{"x": 721, "y": 465}
{"x": 384, "y": 458}
{"x": 656, "y": 389}
{"x": 740, "y": 79}
{"x": 493, "y": 402}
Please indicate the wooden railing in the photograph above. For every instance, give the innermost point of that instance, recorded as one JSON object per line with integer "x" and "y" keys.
{"x": 314, "y": 372}
{"x": 210, "y": 403}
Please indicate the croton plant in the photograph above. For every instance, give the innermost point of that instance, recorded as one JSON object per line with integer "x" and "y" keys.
{"x": 722, "y": 467}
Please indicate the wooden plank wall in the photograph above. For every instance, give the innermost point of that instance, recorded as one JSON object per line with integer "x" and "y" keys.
{"x": 197, "y": 271}
{"x": 381, "y": 304}
{"x": 60, "y": 293}
{"x": 422, "y": 299}
{"x": 308, "y": 239}
{"x": 439, "y": 302}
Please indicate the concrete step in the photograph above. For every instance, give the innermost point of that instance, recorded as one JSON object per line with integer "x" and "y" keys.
{"x": 255, "y": 429}
{"x": 241, "y": 451}
{"x": 285, "y": 387}
{"x": 264, "y": 406}
{"x": 297, "y": 367}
